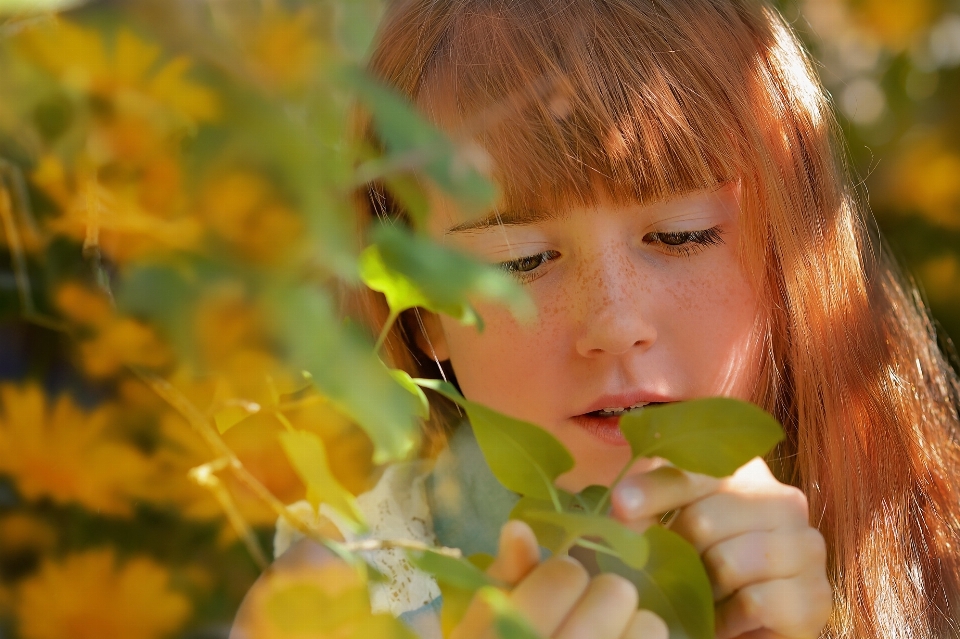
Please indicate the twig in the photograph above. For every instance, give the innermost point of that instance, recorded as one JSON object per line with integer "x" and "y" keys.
{"x": 366, "y": 545}
{"x": 204, "y": 476}
{"x": 17, "y": 254}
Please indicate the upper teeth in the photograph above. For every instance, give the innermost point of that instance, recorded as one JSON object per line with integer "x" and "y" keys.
{"x": 616, "y": 410}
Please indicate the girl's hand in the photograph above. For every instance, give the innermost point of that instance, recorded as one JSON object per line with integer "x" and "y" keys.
{"x": 558, "y": 597}
{"x": 766, "y": 563}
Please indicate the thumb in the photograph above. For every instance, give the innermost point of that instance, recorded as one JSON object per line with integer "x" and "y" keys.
{"x": 519, "y": 553}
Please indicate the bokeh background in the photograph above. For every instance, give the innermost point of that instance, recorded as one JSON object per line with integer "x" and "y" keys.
{"x": 103, "y": 532}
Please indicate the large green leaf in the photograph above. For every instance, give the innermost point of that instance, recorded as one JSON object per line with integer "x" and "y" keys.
{"x": 524, "y": 457}
{"x": 673, "y": 584}
{"x": 412, "y": 143}
{"x": 713, "y": 436}
{"x": 347, "y": 372}
{"x": 414, "y": 271}
{"x": 549, "y": 536}
{"x": 631, "y": 546}
{"x": 309, "y": 458}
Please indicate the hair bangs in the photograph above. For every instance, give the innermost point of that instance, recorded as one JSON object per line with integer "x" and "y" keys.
{"x": 624, "y": 111}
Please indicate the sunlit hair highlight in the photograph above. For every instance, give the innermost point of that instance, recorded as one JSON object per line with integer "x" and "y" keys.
{"x": 635, "y": 101}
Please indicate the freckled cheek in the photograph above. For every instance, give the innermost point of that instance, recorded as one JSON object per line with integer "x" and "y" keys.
{"x": 509, "y": 366}
{"x": 712, "y": 328}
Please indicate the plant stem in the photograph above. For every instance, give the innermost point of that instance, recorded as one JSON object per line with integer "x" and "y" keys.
{"x": 606, "y": 496}
{"x": 586, "y": 543}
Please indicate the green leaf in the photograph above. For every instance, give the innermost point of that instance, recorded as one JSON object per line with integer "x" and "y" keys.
{"x": 550, "y": 536}
{"x": 381, "y": 626}
{"x": 631, "y": 546}
{"x": 591, "y": 496}
{"x": 347, "y": 372}
{"x": 713, "y": 436}
{"x": 404, "y": 379}
{"x": 524, "y": 457}
{"x": 455, "y": 604}
{"x": 673, "y": 584}
{"x": 414, "y": 271}
{"x": 409, "y": 192}
{"x": 309, "y": 458}
{"x": 412, "y": 143}
{"x": 460, "y": 573}
{"x": 308, "y": 608}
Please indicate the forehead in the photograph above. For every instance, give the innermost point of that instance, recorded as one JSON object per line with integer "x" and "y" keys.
{"x": 584, "y": 107}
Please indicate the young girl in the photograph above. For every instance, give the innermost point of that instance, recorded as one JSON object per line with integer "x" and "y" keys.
{"x": 672, "y": 198}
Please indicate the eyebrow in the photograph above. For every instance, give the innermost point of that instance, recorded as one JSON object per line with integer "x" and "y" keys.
{"x": 519, "y": 217}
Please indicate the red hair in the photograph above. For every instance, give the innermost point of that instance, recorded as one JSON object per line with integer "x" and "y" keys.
{"x": 638, "y": 100}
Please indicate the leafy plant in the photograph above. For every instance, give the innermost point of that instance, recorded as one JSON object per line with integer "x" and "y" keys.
{"x": 176, "y": 198}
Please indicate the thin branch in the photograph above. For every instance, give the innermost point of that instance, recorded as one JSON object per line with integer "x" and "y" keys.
{"x": 366, "y": 545}
{"x": 17, "y": 254}
{"x": 204, "y": 476}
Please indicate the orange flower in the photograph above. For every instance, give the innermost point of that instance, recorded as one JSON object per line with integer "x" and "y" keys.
{"x": 64, "y": 453}
{"x": 88, "y": 596}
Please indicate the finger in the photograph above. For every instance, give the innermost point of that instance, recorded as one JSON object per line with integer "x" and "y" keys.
{"x": 797, "y": 608}
{"x": 647, "y": 495}
{"x": 549, "y": 593}
{"x": 603, "y": 611}
{"x": 646, "y": 625}
{"x": 518, "y": 554}
{"x": 724, "y": 515}
{"x": 762, "y": 556}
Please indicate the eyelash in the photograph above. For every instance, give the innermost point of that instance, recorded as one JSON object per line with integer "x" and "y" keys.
{"x": 685, "y": 243}
{"x": 682, "y": 243}
{"x": 516, "y": 267}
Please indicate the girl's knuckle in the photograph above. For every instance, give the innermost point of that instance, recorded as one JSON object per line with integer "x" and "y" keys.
{"x": 723, "y": 567}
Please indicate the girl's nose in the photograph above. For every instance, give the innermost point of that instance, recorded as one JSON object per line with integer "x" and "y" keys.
{"x": 614, "y": 311}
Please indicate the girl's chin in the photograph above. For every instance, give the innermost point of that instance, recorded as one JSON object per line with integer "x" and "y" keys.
{"x": 604, "y": 429}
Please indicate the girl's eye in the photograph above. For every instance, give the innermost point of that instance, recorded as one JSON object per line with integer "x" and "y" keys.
{"x": 525, "y": 268}
{"x": 685, "y": 242}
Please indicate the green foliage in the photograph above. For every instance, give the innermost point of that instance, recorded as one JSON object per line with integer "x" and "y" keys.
{"x": 459, "y": 573}
{"x": 629, "y": 545}
{"x": 673, "y": 584}
{"x": 412, "y": 271}
{"x": 712, "y": 436}
{"x": 525, "y": 458}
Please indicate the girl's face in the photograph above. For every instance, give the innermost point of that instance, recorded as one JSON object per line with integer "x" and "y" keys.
{"x": 636, "y": 305}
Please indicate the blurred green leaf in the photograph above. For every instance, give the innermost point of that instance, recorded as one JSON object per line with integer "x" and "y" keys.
{"x": 309, "y": 458}
{"x": 455, "y": 604}
{"x": 524, "y": 457}
{"x": 411, "y": 387}
{"x": 713, "y": 436}
{"x": 510, "y": 624}
{"x": 413, "y": 144}
{"x": 348, "y": 373}
{"x": 673, "y": 583}
{"x": 413, "y": 271}
{"x": 381, "y": 626}
{"x": 37, "y": 6}
{"x": 460, "y": 573}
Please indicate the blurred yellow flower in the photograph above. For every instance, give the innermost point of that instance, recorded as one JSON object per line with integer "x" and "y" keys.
{"x": 78, "y": 57}
{"x": 284, "y": 47}
{"x": 940, "y": 277}
{"x": 244, "y": 209}
{"x": 88, "y": 596}
{"x": 925, "y": 179}
{"x": 116, "y": 342}
{"x": 60, "y": 452}
{"x": 21, "y": 533}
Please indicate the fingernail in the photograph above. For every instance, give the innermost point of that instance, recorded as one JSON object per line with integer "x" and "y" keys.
{"x": 630, "y": 499}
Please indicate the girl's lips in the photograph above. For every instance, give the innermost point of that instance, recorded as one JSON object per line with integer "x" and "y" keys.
{"x": 606, "y": 429}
